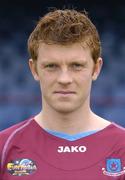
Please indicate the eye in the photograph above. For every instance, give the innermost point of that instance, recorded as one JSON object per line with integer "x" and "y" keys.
{"x": 77, "y": 66}
{"x": 51, "y": 66}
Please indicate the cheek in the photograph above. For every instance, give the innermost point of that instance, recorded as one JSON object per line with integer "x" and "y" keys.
{"x": 46, "y": 80}
{"x": 84, "y": 77}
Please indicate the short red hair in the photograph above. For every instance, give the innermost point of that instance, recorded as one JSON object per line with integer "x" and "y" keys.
{"x": 65, "y": 27}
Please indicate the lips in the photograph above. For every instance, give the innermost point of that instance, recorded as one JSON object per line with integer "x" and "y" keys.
{"x": 64, "y": 92}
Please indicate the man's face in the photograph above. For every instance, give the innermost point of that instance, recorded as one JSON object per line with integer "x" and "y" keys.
{"x": 65, "y": 74}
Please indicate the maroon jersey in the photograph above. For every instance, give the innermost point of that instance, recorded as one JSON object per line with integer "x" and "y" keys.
{"x": 28, "y": 152}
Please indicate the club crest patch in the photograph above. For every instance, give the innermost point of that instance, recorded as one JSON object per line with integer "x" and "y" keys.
{"x": 113, "y": 167}
{"x": 21, "y": 167}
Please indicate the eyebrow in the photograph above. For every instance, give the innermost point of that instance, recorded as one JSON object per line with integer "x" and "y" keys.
{"x": 56, "y": 62}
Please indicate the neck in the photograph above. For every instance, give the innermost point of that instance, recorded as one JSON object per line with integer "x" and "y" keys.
{"x": 80, "y": 120}
{"x": 71, "y": 123}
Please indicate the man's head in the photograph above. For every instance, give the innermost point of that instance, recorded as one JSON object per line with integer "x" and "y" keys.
{"x": 65, "y": 59}
{"x": 65, "y": 27}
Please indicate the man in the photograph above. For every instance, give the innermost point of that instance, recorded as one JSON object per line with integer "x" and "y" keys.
{"x": 66, "y": 140}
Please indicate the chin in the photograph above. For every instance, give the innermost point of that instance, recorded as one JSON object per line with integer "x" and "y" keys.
{"x": 64, "y": 109}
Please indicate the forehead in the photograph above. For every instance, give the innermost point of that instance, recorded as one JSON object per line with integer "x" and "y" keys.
{"x": 63, "y": 52}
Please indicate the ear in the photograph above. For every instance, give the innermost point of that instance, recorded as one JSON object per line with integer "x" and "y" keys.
{"x": 33, "y": 69}
{"x": 97, "y": 68}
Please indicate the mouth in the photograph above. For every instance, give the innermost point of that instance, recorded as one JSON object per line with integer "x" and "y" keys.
{"x": 64, "y": 92}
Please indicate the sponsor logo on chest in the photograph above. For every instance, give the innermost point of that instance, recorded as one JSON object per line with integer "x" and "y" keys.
{"x": 70, "y": 149}
{"x": 21, "y": 167}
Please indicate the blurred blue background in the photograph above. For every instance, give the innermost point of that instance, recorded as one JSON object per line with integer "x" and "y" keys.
{"x": 20, "y": 94}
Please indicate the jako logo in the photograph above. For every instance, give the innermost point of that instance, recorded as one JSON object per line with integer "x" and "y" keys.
{"x": 64, "y": 149}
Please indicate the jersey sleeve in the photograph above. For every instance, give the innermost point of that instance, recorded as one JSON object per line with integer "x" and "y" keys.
{"x": 3, "y": 139}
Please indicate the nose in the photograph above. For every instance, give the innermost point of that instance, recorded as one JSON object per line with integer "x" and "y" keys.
{"x": 64, "y": 77}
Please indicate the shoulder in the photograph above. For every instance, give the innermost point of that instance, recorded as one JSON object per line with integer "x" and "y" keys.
{"x": 112, "y": 137}
{"x": 117, "y": 134}
{"x": 8, "y": 131}
{"x": 118, "y": 130}
{"x": 115, "y": 131}
{"x": 11, "y": 131}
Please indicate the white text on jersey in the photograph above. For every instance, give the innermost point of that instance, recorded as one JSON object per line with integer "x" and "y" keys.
{"x": 64, "y": 149}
